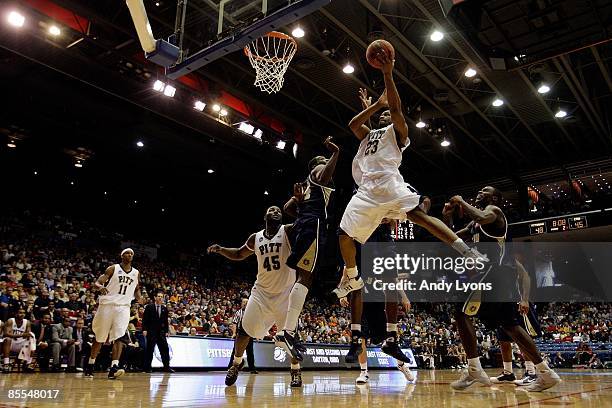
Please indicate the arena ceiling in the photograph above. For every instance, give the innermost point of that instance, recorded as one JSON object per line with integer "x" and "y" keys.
{"x": 92, "y": 90}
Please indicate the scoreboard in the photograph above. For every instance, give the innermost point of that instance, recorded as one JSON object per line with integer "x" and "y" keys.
{"x": 558, "y": 225}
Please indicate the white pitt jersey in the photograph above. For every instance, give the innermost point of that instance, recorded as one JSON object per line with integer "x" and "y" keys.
{"x": 120, "y": 287}
{"x": 18, "y": 330}
{"x": 379, "y": 156}
{"x": 273, "y": 274}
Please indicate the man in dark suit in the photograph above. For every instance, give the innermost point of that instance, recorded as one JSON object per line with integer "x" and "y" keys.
{"x": 43, "y": 334}
{"x": 155, "y": 330}
{"x": 82, "y": 341}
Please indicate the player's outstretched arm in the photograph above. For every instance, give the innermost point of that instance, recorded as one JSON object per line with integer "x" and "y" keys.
{"x": 290, "y": 207}
{"x": 394, "y": 101}
{"x": 357, "y": 124}
{"x": 234, "y": 254}
{"x": 99, "y": 284}
{"x": 489, "y": 215}
{"x": 324, "y": 174}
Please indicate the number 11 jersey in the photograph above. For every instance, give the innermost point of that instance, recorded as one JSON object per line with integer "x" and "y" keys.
{"x": 273, "y": 274}
{"x": 120, "y": 287}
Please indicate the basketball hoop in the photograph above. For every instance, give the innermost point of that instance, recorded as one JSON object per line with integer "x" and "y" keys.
{"x": 270, "y": 55}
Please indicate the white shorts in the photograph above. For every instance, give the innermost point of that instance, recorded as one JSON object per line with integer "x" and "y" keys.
{"x": 18, "y": 344}
{"x": 263, "y": 311}
{"x": 110, "y": 322}
{"x": 391, "y": 199}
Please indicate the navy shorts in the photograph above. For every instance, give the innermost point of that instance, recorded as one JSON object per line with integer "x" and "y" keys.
{"x": 529, "y": 322}
{"x": 307, "y": 236}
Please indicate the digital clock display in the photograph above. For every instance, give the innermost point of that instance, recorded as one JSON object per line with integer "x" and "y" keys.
{"x": 578, "y": 222}
{"x": 537, "y": 228}
{"x": 558, "y": 225}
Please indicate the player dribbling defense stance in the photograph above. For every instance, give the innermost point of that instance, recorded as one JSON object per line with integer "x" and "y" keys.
{"x": 269, "y": 298}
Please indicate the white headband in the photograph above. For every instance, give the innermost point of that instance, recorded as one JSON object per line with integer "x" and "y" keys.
{"x": 127, "y": 249}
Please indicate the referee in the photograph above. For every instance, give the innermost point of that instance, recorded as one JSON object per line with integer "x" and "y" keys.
{"x": 249, "y": 350}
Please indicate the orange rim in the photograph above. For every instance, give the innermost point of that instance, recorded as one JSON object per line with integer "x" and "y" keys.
{"x": 273, "y": 34}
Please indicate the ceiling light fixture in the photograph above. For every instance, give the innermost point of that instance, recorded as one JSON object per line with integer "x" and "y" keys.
{"x": 348, "y": 68}
{"x": 199, "y": 105}
{"x": 169, "y": 91}
{"x": 246, "y": 128}
{"x": 15, "y": 19}
{"x": 54, "y": 30}
{"x": 543, "y": 88}
{"x": 497, "y": 102}
{"x": 470, "y": 72}
{"x": 436, "y": 36}
{"x": 298, "y": 32}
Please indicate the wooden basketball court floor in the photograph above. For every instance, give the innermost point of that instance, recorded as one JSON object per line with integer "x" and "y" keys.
{"x": 321, "y": 390}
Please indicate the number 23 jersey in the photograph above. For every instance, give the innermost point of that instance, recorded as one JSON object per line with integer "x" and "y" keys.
{"x": 379, "y": 156}
{"x": 120, "y": 287}
{"x": 273, "y": 274}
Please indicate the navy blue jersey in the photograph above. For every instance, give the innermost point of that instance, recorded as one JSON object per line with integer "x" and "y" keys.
{"x": 482, "y": 233}
{"x": 316, "y": 199}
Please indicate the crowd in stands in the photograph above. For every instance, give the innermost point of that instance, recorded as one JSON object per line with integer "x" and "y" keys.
{"x": 50, "y": 276}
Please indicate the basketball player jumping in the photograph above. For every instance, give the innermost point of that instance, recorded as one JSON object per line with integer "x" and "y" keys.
{"x": 270, "y": 295}
{"x": 382, "y": 191}
{"x": 309, "y": 206}
{"x": 117, "y": 286}
{"x": 489, "y": 224}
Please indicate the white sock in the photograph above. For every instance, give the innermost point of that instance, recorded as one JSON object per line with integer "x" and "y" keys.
{"x": 364, "y": 366}
{"x": 530, "y": 367}
{"x": 237, "y": 360}
{"x": 508, "y": 366}
{"x": 474, "y": 363}
{"x": 391, "y": 327}
{"x": 542, "y": 367}
{"x": 356, "y": 327}
{"x": 115, "y": 363}
{"x": 295, "y": 366}
{"x": 297, "y": 297}
{"x": 352, "y": 272}
{"x": 460, "y": 246}
{"x": 92, "y": 360}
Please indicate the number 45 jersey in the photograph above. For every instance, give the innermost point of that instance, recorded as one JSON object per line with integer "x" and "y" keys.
{"x": 120, "y": 287}
{"x": 273, "y": 274}
{"x": 379, "y": 157}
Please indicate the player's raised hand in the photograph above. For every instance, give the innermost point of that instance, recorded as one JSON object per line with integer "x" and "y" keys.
{"x": 298, "y": 191}
{"x": 366, "y": 100}
{"x": 448, "y": 209}
{"x": 387, "y": 63}
{"x": 213, "y": 249}
{"x": 455, "y": 200}
{"x": 330, "y": 145}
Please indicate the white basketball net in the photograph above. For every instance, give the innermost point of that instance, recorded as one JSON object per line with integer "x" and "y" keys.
{"x": 270, "y": 56}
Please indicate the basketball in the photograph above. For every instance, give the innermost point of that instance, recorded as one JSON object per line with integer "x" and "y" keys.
{"x": 375, "y": 49}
